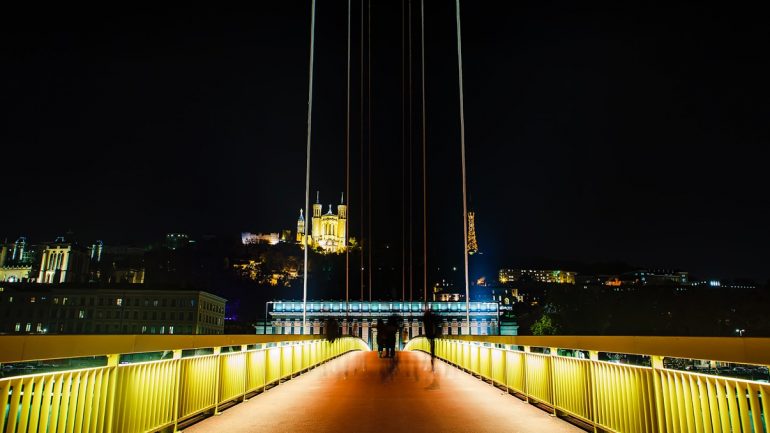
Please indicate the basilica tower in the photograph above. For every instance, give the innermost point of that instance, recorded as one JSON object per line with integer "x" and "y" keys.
{"x": 342, "y": 218}
{"x": 300, "y": 227}
{"x": 315, "y": 232}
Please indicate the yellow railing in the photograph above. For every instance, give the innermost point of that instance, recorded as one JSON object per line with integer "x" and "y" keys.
{"x": 616, "y": 397}
{"x": 148, "y": 396}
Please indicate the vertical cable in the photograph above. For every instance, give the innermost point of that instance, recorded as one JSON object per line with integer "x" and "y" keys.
{"x": 411, "y": 169}
{"x": 403, "y": 161}
{"x": 424, "y": 164}
{"x": 361, "y": 155}
{"x": 307, "y": 162}
{"x": 369, "y": 132}
{"x": 462, "y": 153}
{"x": 347, "y": 178}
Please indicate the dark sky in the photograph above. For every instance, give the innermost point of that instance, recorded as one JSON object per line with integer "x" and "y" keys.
{"x": 621, "y": 133}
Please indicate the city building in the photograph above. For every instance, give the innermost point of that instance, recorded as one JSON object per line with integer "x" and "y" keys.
{"x": 359, "y": 318}
{"x": 655, "y": 277}
{"x": 175, "y": 241}
{"x": 77, "y": 309}
{"x": 537, "y": 275}
{"x": 16, "y": 261}
{"x": 116, "y": 264}
{"x": 64, "y": 262}
{"x": 328, "y": 231}
{"x": 248, "y": 238}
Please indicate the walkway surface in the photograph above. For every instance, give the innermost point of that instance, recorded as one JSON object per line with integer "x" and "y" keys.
{"x": 360, "y": 392}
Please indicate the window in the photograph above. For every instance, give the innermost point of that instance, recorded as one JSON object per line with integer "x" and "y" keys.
{"x": 17, "y": 328}
{"x": 170, "y": 329}
{"x": 28, "y": 327}
{"x": 10, "y": 299}
{"x": 155, "y": 303}
{"x": 32, "y": 299}
{"x": 56, "y": 301}
{"x": 64, "y": 301}
{"x": 119, "y": 302}
{"x": 81, "y": 314}
{"x": 144, "y": 329}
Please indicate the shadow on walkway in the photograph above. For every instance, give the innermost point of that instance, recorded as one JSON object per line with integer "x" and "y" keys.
{"x": 363, "y": 393}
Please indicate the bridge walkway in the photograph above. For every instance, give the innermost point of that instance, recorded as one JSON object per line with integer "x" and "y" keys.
{"x": 363, "y": 393}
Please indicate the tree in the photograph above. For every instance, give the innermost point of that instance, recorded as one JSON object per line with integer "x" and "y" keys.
{"x": 544, "y": 326}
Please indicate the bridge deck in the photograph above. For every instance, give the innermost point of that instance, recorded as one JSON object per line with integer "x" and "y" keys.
{"x": 360, "y": 392}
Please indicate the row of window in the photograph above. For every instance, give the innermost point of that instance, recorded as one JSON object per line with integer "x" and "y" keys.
{"x": 208, "y": 306}
{"x": 109, "y": 301}
{"x": 106, "y": 328}
{"x": 211, "y": 320}
{"x": 101, "y": 314}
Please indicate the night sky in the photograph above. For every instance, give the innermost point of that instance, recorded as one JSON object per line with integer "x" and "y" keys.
{"x": 595, "y": 134}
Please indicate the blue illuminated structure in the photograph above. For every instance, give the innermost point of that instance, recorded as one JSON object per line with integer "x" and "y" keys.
{"x": 359, "y": 318}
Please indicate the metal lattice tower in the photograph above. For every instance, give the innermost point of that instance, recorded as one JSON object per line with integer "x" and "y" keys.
{"x": 473, "y": 245}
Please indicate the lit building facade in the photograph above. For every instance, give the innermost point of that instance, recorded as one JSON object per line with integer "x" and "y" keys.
{"x": 359, "y": 318}
{"x": 538, "y": 275}
{"x": 248, "y": 238}
{"x": 328, "y": 232}
{"x": 47, "y": 309}
{"x": 16, "y": 260}
{"x": 64, "y": 262}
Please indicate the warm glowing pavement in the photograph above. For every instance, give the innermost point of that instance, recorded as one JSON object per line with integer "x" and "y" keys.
{"x": 362, "y": 393}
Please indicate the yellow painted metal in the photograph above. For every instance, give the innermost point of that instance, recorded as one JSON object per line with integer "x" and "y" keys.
{"x": 20, "y": 348}
{"x": 232, "y": 378}
{"x": 615, "y": 397}
{"x": 497, "y": 365}
{"x": 727, "y": 349}
{"x": 154, "y": 395}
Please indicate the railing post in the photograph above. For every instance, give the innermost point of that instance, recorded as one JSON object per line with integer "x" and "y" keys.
{"x": 177, "y": 356}
{"x": 527, "y": 351}
{"x": 245, "y": 354}
{"x": 657, "y": 366}
{"x": 217, "y": 394}
{"x": 112, "y": 362}
{"x": 553, "y": 352}
{"x": 593, "y": 355}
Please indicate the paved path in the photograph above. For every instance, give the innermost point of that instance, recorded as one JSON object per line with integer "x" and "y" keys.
{"x": 362, "y": 393}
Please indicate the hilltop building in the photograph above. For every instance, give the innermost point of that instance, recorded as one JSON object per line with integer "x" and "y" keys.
{"x": 538, "y": 275}
{"x": 328, "y": 231}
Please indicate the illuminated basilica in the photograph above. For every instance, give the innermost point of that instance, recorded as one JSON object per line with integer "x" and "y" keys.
{"x": 327, "y": 230}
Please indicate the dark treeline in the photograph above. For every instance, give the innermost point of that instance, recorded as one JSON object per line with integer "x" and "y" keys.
{"x": 570, "y": 310}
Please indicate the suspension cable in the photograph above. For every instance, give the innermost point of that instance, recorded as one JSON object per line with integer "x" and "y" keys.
{"x": 403, "y": 161}
{"x": 361, "y": 156}
{"x": 307, "y": 162}
{"x": 462, "y": 152}
{"x": 411, "y": 169}
{"x": 424, "y": 164}
{"x": 369, "y": 132}
{"x": 347, "y": 179}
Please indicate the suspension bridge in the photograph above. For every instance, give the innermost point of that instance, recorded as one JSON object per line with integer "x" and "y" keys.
{"x": 302, "y": 383}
